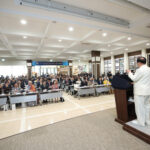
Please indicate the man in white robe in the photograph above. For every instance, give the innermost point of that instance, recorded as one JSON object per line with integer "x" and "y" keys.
{"x": 141, "y": 80}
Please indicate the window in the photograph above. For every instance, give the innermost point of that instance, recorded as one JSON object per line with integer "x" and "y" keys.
{"x": 119, "y": 65}
{"x": 13, "y": 70}
{"x": 107, "y": 65}
{"x": 133, "y": 62}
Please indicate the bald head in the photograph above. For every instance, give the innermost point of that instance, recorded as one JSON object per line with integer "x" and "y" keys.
{"x": 141, "y": 61}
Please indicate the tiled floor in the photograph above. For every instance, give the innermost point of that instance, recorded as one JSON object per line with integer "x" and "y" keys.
{"x": 23, "y": 119}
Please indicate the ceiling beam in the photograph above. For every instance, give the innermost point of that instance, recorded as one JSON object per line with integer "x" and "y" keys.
{"x": 6, "y": 43}
{"x": 42, "y": 40}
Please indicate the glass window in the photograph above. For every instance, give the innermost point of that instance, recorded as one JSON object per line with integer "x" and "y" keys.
{"x": 119, "y": 65}
{"x": 133, "y": 62}
{"x": 107, "y": 66}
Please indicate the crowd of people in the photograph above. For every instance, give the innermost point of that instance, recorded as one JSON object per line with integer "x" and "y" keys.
{"x": 49, "y": 82}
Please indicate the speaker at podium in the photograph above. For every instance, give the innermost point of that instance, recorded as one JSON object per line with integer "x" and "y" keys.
{"x": 125, "y": 108}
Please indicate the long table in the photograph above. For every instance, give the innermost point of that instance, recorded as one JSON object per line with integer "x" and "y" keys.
{"x": 86, "y": 90}
{"x": 52, "y": 94}
{"x": 102, "y": 88}
{"x": 23, "y": 98}
{"x": 3, "y": 101}
{"x": 96, "y": 89}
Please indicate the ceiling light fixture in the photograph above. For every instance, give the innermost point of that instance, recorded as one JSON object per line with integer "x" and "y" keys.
{"x": 126, "y": 49}
{"x": 71, "y": 29}
{"x": 25, "y": 37}
{"x": 108, "y": 45}
{"x": 129, "y": 38}
{"x": 23, "y": 21}
{"x": 50, "y": 60}
{"x": 3, "y": 59}
{"x": 60, "y": 40}
{"x": 147, "y": 44}
{"x": 104, "y": 34}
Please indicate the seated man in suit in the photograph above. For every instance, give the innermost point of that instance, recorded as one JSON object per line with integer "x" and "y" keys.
{"x": 7, "y": 88}
{"x": 100, "y": 81}
{"x": 44, "y": 86}
{"x": 1, "y": 88}
{"x": 84, "y": 82}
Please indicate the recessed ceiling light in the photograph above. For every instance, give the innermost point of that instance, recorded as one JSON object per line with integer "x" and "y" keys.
{"x": 23, "y": 21}
{"x": 111, "y": 52}
{"x": 126, "y": 49}
{"x": 104, "y": 34}
{"x": 25, "y": 37}
{"x": 147, "y": 44}
{"x": 129, "y": 38}
{"x": 60, "y": 40}
{"x": 3, "y": 59}
{"x": 71, "y": 29}
{"x": 108, "y": 45}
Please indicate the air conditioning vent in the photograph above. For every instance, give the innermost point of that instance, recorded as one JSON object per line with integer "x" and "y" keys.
{"x": 85, "y": 43}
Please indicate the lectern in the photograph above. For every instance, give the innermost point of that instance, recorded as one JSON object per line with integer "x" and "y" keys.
{"x": 125, "y": 108}
{"x": 126, "y": 113}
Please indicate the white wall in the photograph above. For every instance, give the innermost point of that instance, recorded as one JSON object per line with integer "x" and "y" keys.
{"x": 13, "y": 68}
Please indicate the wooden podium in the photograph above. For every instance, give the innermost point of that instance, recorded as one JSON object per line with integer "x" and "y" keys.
{"x": 125, "y": 109}
{"x": 126, "y": 113}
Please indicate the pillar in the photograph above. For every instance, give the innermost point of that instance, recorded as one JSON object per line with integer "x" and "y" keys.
{"x": 144, "y": 54}
{"x": 90, "y": 66}
{"x": 29, "y": 69}
{"x": 126, "y": 61}
{"x": 70, "y": 67}
{"x": 102, "y": 66}
{"x": 95, "y": 63}
{"x": 112, "y": 65}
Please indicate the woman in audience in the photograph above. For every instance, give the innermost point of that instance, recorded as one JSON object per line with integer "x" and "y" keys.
{"x": 55, "y": 85}
{"x": 106, "y": 81}
{"x": 91, "y": 82}
{"x": 31, "y": 87}
{"x": 16, "y": 89}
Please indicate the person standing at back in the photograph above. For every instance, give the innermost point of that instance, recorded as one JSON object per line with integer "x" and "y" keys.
{"x": 141, "y": 80}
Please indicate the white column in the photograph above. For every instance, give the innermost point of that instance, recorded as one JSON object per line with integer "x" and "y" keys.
{"x": 112, "y": 65}
{"x": 102, "y": 66}
{"x": 144, "y": 53}
{"x": 126, "y": 62}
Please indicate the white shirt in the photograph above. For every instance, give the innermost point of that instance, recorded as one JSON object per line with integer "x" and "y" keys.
{"x": 141, "y": 80}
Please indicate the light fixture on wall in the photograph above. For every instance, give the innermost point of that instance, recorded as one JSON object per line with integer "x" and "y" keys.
{"x": 23, "y": 22}
{"x": 3, "y": 59}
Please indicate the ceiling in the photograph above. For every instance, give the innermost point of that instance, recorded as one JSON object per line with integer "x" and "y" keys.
{"x": 46, "y": 35}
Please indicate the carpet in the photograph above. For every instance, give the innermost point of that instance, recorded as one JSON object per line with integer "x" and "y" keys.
{"x": 96, "y": 131}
